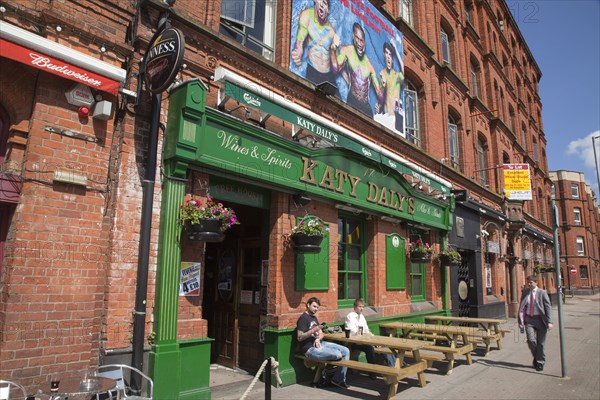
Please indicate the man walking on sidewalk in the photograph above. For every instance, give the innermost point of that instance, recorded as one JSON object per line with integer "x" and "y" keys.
{"x": 535, "y": 313}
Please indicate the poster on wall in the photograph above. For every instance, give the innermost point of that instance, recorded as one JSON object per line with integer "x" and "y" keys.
{"x": 351, "y": 45}
{"x": 189, "y": 279}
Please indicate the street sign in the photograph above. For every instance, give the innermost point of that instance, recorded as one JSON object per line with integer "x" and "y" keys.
{"x": 573, "y": 270}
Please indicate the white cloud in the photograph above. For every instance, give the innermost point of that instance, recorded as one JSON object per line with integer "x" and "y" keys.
{"x": 583, "y": 149}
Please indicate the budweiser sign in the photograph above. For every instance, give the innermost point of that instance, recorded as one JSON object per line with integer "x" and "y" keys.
{"x": 57, "y": 67}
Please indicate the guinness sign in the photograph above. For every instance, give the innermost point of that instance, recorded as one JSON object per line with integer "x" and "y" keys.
{"x": 163, "y": 60}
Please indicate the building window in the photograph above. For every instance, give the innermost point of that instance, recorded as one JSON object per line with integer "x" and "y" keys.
{"x": 418, "y": 291}
{"x": 574, "y": 190}
{"x": 411, "y": 109}
{"x": 469, "y": 11}
{"x": 446, "y": 48}
{"x": 536, "y": 151}
{"x": 577, "y": 216}
{"x": 583, "y": 271}
{"x": 511, "y": 119}
{"x": 474, "y": 71}
{"x": 351, "y": 264}
{"x": 524, "y": 137}
{"x": 406, "y": 11}
{"x": 453, "y": 142}
{"x": 580, "y": 247}
{"x": 481, "y": 146}
{"x": 251, "y": 23}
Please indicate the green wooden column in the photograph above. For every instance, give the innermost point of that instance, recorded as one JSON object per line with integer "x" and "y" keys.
{"x": 180, "y": 369}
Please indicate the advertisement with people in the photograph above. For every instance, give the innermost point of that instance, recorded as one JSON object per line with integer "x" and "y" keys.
{"x": 351, "y": 45}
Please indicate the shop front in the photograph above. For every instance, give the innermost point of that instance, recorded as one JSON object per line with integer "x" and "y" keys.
{"x": 252, "y": 283}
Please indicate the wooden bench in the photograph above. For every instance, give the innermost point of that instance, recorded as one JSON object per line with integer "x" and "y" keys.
{"x": 429, "y": 357}
{"x": 391, "y": 374}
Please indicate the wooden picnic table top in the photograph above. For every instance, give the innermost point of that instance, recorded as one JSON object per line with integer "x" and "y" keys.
{"x": 432, "y": 328}
{"x": 378, "y": 340}
{"x": 466, "y": 319}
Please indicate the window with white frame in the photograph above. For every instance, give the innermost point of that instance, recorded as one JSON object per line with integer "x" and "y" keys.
{"x": 453, "y": 142}
{"x": 411, "y": 110}
{"x": 445, "y": 47}
{"x": 574, "y": 190}
{"x": 577, "y": 216}
{"x": 406, "y": 11}
{"x": 580, "y": 247}
{"x": 251, "y": 23}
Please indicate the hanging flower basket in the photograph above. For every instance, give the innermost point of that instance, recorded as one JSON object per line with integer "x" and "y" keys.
{"x": 448, "y": 257}
{"x": 420, "y": 252}
{"x": 206, "y": 222}
{"x": 307, "y": 235}
{"x": 447, "y": 260}
{"x": 303, "y": 243}
{"x": 206, "y": 230}
{"x": 420, "y": 257}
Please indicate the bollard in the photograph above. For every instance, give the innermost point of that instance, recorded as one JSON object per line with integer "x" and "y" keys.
{"x": 268, "y": 380}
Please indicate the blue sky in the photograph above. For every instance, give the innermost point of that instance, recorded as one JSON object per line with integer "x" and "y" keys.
{"x": 564, "y": 38}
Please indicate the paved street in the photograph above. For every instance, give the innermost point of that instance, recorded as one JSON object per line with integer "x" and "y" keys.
{"x": 504, "y": 374}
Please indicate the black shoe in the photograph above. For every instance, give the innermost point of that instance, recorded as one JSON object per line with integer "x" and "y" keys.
{"x": 539, "y": 367}
{"x": 342, "y": 384}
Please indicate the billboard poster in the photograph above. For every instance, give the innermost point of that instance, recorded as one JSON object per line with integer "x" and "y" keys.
{"x": 350, "y": 44}
{"x": 517, "y": 182}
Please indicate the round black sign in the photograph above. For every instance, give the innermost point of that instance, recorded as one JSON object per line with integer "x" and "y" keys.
{"x": 163, "y": 59}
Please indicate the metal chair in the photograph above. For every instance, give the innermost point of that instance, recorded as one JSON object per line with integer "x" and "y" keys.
{"x": 123, "y": 389}
{"x": 7, "y": 386}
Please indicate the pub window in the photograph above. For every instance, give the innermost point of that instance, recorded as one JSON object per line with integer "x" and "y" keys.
{"x": 418, "y": 290}
{"x": 583, "y": 271}
{"x": 251, "y": 23}
{"x": 351, "y": 260}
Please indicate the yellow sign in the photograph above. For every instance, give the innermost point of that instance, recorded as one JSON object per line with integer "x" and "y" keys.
{"x": 517, "y": 181}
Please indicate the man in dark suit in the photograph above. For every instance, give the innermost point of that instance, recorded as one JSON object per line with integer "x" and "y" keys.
{"x": 535, "y": 313}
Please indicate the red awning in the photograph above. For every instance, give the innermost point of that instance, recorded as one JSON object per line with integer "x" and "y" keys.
{"x": 57, "y": 67}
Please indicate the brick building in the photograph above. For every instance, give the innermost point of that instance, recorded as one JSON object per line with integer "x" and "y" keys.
{"x": 578, "y": 231}
{"x": 260, "y": 120}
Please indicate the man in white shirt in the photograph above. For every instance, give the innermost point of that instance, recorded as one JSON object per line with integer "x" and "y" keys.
{"x": 357, "y": 324}
{"x": 535, "y": 313}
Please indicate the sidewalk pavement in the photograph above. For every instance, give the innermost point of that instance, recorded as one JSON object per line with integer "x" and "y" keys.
{"x": 502, "y": 374}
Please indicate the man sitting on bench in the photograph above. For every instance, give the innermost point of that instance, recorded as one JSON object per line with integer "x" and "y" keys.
{"x": 313, "y": 347}
{"x": 357, "y": 324}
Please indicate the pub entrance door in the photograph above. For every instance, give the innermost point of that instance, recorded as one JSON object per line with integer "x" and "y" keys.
{"x": 232, "y": 295}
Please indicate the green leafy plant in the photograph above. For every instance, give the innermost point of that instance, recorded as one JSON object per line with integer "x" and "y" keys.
{"x": 192, "y": 211}
{"x": 543, "y": 268}
{"x": 448, "y": 255}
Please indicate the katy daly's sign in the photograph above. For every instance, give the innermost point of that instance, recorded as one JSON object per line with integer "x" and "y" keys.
{"x": 57, "y": 67}
{"x": 163, "y": 59}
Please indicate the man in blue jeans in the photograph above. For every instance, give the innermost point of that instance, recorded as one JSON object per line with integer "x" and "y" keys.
{"x": 310, "y": 337}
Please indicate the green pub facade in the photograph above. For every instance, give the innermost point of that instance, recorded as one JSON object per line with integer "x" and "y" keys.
{"x": 253, "y": 284}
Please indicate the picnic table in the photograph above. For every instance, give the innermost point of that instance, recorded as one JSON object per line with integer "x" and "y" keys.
{"x": 488, "y": 329}
{"x": 398, "y": 346}
{"x": 457, "y": 338}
